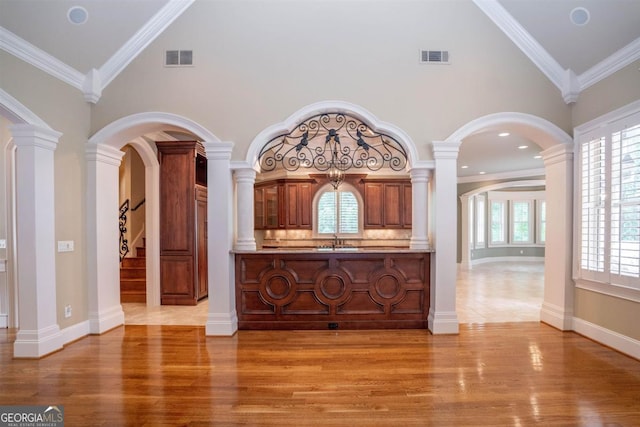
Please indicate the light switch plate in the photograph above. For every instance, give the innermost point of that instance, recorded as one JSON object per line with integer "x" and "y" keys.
{"x": 65, "y": 245}
{"x": 3, "y": 244}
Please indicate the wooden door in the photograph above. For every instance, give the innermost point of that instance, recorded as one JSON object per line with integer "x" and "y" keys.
{"x": 201, "y": 244}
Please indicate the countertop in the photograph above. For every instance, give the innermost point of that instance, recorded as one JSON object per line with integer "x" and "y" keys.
{"x": 381, "y": 249}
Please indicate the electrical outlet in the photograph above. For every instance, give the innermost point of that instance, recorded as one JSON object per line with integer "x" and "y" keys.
{"x": 67, "y": 311}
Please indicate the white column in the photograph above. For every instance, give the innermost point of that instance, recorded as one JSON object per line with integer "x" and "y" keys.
{"x": 419, "y": 208}
{"x": 245, "y": 180}
{"x": 464, "y": 232}
{"x": 103, "y": 235}
{"x": 39, "y": 332}
{"x": 557, "y": 306}
{"x": 222, "y": 319}
{"x": 442, "y": 313}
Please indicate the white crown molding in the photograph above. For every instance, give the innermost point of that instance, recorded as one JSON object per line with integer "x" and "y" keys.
{"x": 95, "y": 81}
{"x": 525, "y": 42}
{"x": 18, "y": 113}
{"x": 504, "y": 175}
{"x": 32, "y": 55}
{"x": 141, "y": 39}
{"x": 620, "y": 59}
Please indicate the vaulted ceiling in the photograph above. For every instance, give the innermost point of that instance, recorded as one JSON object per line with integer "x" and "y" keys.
{"x": 575, "y": 43}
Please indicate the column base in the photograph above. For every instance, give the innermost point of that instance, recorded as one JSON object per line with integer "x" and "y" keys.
{"x": 35, "y": 344}
{"x": 106, "y": 320}
{"x": 222, "y": 324}
{"x": 443, "y": 322}
{"x": 418, "y": 243}
{"x": 556, "y": 316}
{"x": 245, "y": 245}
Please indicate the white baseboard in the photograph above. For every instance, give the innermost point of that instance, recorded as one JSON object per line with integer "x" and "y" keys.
{"x": 4, "y": 321}
{"x": 75, "y": 332}
{"x": 556, "y": 316}
{"x": 443, "y": 322}
{"x": 619, "y": 342}
{"x": 507, "y": 259}
{"x": 222, "y": 324}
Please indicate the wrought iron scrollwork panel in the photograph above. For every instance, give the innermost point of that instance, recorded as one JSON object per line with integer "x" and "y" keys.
{"x": 332, "y": 140}
{"x": 124, "y": 243}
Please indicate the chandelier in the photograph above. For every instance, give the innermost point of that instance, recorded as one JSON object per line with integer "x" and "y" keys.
{"x": 333, "y": 143}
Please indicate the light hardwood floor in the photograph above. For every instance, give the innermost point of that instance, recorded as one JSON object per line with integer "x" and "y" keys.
{"x": 487, "y": 293}
{"x": 500, "y": 292}
{"x": 499, "y": 374}
{"x": 491, "y": 374}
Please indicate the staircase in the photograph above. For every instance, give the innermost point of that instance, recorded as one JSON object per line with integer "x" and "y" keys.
{"x": 133, "y": 277}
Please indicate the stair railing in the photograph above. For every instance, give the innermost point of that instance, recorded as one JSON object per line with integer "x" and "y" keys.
{"x": 124, "y": 243}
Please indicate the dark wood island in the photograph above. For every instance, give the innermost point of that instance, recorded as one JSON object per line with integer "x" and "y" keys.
{"x": 332, "y": 288}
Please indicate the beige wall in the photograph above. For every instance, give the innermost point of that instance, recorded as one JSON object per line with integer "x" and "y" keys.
{"x": 618, "y": 90}
{"x": 63, "y": 108}
{"x": 616, "y": 314}
{"x": 257, "y": 63}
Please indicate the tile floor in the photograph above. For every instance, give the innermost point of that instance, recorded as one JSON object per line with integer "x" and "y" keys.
{"x": 487, "y": 293}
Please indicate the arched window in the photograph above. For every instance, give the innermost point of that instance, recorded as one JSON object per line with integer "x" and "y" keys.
{"x": 337, "y": 212}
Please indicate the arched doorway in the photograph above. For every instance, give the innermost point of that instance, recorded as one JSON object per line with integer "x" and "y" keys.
{"x": 103, "y": 161}
{"x": 557, "y": 154}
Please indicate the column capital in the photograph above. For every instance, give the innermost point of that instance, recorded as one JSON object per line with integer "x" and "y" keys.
{"x": 557, "y": 154}
{"x": 245, "y": 175}
{"x": 420, "y": 175}
{"x": 218, "y": 150}
{"x": 103, "y": 153}
{"x": 445, "y": 149}
{"x": 26, "y": 135}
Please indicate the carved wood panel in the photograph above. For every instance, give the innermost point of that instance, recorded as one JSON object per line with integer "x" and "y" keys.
{"x": 333, "y": 289}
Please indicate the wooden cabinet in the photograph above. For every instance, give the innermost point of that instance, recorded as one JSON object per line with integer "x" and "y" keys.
{"x": 387, "y": 204}
{"x": 298, "y": 205}
{"x": 183, "y": 223}
{"x": 283, "y": 204}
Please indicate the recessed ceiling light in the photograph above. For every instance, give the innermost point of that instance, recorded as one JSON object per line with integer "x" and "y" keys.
{"x": 464, "y": 167}
{"x": 504, "y": 134}
{"x": 522, "y": 147}
{"x": 537, "y": 157}
{"x": 482, "y": 173}
{"x": 77, "y": 15}
{"x": 579, "y": 16}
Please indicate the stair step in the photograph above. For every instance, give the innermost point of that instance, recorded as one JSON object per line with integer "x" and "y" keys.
{"x": 133, "y": 273}
{"x": 134, "y": 262}
{"x": 137, "y": 285}
{"x": 141, "y": 251}
{"x": 129, "y": 296}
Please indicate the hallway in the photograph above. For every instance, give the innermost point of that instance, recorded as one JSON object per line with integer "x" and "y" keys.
{"x": 500, "y": 292}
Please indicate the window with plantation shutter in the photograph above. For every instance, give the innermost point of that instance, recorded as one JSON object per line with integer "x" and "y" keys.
{"x": 625, "y": 204}
{"x": 338, "y": 212}
{"x": 593, "y": 195}
{"x": 609, "y": 203}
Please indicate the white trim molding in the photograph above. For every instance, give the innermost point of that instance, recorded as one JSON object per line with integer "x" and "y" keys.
{"x": 93, "y": 83}
{"x": 619, "y": 342}
{"x": 331, "y": 107}
{"x": 523, "y": 40}
{"x": 567, "y": 81}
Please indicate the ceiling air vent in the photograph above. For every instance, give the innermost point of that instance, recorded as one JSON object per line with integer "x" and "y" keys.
{"x": 178, "y": 58}
{"x": 434, "y": 56}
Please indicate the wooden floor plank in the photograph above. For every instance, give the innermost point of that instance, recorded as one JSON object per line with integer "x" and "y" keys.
{"x": 511, "y": 374}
